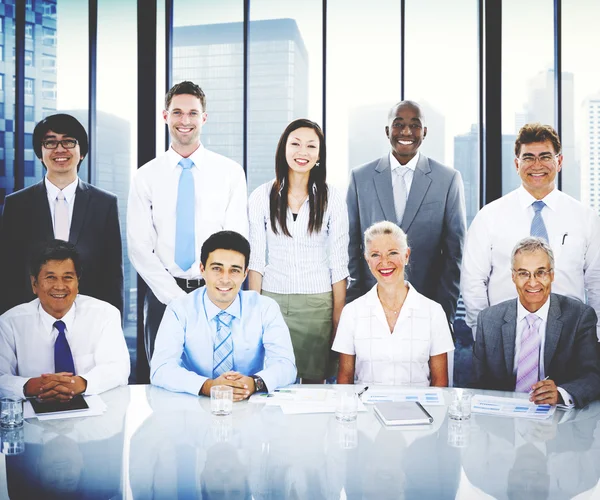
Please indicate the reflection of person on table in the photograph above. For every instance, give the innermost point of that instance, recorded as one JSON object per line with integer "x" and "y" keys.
{"x": 219, "y": 335}
{"x": 392, "y": 335}
{"x": 542, "y": 343}
{"x": 61, "y": 344}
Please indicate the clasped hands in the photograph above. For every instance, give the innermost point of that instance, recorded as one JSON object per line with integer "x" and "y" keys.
{"x": 62, "y": 387}
{"x": 243, "y": 387}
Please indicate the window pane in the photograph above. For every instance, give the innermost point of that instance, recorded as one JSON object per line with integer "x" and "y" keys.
{"x": 286, "y": 46}
{"x": 7, "y": 103}
{"x": 116, "y": 130}
{"x": 581, "y": 102}
{"x": 358, "y": 103}
{"x": 527, "y": 82}
{"x": 208, "y": 50}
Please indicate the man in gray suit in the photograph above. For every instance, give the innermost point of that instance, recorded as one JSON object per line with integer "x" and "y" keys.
{"x": 541, "y": 343}
{"x": 422, "y": 196}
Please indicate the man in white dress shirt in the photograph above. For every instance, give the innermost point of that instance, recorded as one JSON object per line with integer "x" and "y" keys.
{"x": 61, "y": 344}
{"x": 178, "y": 200}
{"x": 536, "y": 208}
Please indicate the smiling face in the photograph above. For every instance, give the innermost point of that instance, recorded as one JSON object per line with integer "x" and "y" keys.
{"x": 185, "y": 118}
{"x": 406, "y": 132}
{"x": 61, "y": 163}
{"x": 538, "y": 178}
{"x": 224, "y": 274}
{"x": 57, "y": 286}
{"x": 386, "y": 259}
{"x": 533, "y": 292}
{"x": 302, "y": 150}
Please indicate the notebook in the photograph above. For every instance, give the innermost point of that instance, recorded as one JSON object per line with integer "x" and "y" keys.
{"x": 402, "y": 413}
{"x": 76, "y": 404}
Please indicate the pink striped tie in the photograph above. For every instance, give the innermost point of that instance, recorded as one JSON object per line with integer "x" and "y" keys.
{"x": 529, "y": 355}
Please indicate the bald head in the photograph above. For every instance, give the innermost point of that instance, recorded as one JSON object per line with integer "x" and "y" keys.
{"x": 410, "y": 104}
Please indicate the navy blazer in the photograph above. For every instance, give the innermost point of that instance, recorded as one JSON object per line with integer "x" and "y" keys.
{"x": 27, "y": 225}
{"x": 434, "y": 222}
{"x": 570, "y": 355}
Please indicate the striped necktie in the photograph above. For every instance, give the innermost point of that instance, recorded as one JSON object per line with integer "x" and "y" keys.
{"x": 185, "y": 224}
{"x": 223, "y": 350}
{"x": 538, "y": 228}
{"x": 529, "y": 356}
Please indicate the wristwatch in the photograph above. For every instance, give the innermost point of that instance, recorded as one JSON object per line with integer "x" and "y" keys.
{"x": 259, "y": 384}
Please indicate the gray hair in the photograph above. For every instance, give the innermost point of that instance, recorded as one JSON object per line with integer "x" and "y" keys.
{"x": 532, "y": 244}
{"x": 386, "y": 227}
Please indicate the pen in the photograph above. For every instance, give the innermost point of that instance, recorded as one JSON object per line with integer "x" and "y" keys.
{"x": 545, "y": 378}
{"x": 564, "y": 236}
{"x": 363, "y": 391}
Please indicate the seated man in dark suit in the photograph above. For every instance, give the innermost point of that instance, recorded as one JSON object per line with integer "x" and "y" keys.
{"x": 541, "y": 343}
{"x": 64, "y": 207}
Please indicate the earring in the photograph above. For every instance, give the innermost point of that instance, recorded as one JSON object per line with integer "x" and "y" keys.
{"x": 317, "y": 164}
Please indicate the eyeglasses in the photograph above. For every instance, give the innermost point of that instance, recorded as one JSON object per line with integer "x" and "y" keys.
{"x": 545, "y": 159}
{"x": 540, "y": 274}
{"x": 65, "y": 143}
{"x": 194, "y": 115}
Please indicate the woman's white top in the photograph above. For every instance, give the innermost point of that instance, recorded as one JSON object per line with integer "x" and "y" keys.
{"x": 400, "y": 357}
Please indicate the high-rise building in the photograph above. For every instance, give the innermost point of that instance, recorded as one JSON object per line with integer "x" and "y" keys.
{"x": 212, "y": 56}
{"x": 590, "y": 157}
{"x": 40, "y": 85}
{"x": 466, "y": 161}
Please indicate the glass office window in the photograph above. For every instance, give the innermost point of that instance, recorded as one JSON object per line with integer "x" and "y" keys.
{"x": 49, "y": 36}
{"x": 285, "y": 77}
{"x": 115, "y": 157}
{"x": 208, "y": 50}
{"x": 581, "y": 102}
{"x": 7, "y": 103}
{"x": 444, "y": 79}
{"x": 527, "y": 74}
{"x": 357, "y": 100}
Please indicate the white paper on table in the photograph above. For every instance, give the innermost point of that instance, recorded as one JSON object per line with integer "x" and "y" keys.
{"x": 432, "y": 396}
{"x": 279, "y": 396}
{"x": 95, "y": 403}
{"x": 510, "y": 407}
{"x": 303, "y": 407}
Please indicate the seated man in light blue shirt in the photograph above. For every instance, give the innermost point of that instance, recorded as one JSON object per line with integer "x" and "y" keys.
{"x": 219, "y": 335}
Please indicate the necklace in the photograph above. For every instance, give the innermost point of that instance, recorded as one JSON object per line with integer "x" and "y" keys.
{"x": 299, "y": 200}
{"x": 389, "y": 309}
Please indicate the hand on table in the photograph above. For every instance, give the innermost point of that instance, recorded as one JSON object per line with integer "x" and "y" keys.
{"x": 62, "y": 386}
{"x": 545, "y": 392}
{"x": 243, "y": 386}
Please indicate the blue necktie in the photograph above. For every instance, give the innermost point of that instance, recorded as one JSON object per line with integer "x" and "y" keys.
{"x": 185, "y": 239}
{"x": 63, "y": 359}
{"x": 538, "y": 227}
{"x": 223, "y": 351}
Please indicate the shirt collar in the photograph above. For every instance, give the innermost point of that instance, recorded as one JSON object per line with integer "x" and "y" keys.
{"x": 174, "y": 157}
{"x": 235, "y": 308}
{"x": 48, "y": 320}
{"x": 541, "y": 313}
{"x": 68, "y": 191}
{"x": 526, "y": 199}
{"x": 410, "y": 301}
{"x": 412, "y": 164}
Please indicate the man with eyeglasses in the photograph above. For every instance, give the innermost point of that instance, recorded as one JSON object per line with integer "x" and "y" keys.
{"x": 536, "y": 208}
{"x": 64, "y": 207}
{"x": 176, "y": 202}
{"x": 425, "y": 198}
{"x": 541, "y": 343}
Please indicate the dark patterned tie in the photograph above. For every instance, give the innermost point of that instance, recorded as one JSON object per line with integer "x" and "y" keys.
{"x": 63, "y": 359}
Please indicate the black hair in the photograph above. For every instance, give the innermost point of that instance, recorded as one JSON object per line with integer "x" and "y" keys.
{"x": 55, "y": 250}
{"x": 225, "y": 240}
{"x": 61, "y": 124}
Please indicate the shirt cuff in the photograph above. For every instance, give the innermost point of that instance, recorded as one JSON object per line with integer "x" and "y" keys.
{"x": 256, "y": 266}
{"x": 339, "y": 274}
{"x": 569, "y": 402}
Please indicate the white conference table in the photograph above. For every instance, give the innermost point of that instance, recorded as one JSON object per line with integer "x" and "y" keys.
{"x": 151, "y": 443}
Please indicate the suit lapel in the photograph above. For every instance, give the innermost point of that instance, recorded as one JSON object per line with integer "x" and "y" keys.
{"x": 509, "y": 335}
{"x": 41, "y": 211}
{"x": 553, "y": 331}
{"x": 384, "y": 189}
{"x": 82, "y": 200}
{"x": 420, "y": 185}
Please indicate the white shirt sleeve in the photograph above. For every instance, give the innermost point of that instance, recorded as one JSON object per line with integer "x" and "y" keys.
{"x": 441, "y": 338}
{"x": 338, "y": 237}
{"x": 591, "y": 268}
{"x": 236, "y": 215}
{"x": 344, "y": 338}
{"x": 257, "y": 208}
{"x": 11, "y": 384}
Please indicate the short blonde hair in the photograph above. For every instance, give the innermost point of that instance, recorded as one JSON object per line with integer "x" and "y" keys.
{"x": 386, "y": 227}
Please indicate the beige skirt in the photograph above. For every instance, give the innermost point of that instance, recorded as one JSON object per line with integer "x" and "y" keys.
{"x": 309, "y": 318}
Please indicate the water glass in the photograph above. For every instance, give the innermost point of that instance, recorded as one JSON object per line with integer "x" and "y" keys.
{"x": 460, "y": 407}
{"x": 11, "y": 413}
{"x": 346, "y": 407}
{"x": 12, "y": 441}
{"x": 221, "y": 400}
{"x": 347, "y": 435}
{"x": 459, "y": 433}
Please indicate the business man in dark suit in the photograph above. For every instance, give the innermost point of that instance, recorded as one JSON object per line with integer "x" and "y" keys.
{"x": 542, "y": 343}
{"x": 425, "y": 198}
{"x": 61, "y": 206}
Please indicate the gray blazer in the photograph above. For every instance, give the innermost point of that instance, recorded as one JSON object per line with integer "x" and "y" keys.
{"x": 434, "y": 221}
{"x": 570, "y": 355}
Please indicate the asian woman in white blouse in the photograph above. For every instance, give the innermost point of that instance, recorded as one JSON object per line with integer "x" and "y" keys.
{"x": 299, "y": 246}
{"x": 392, "y": 335}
